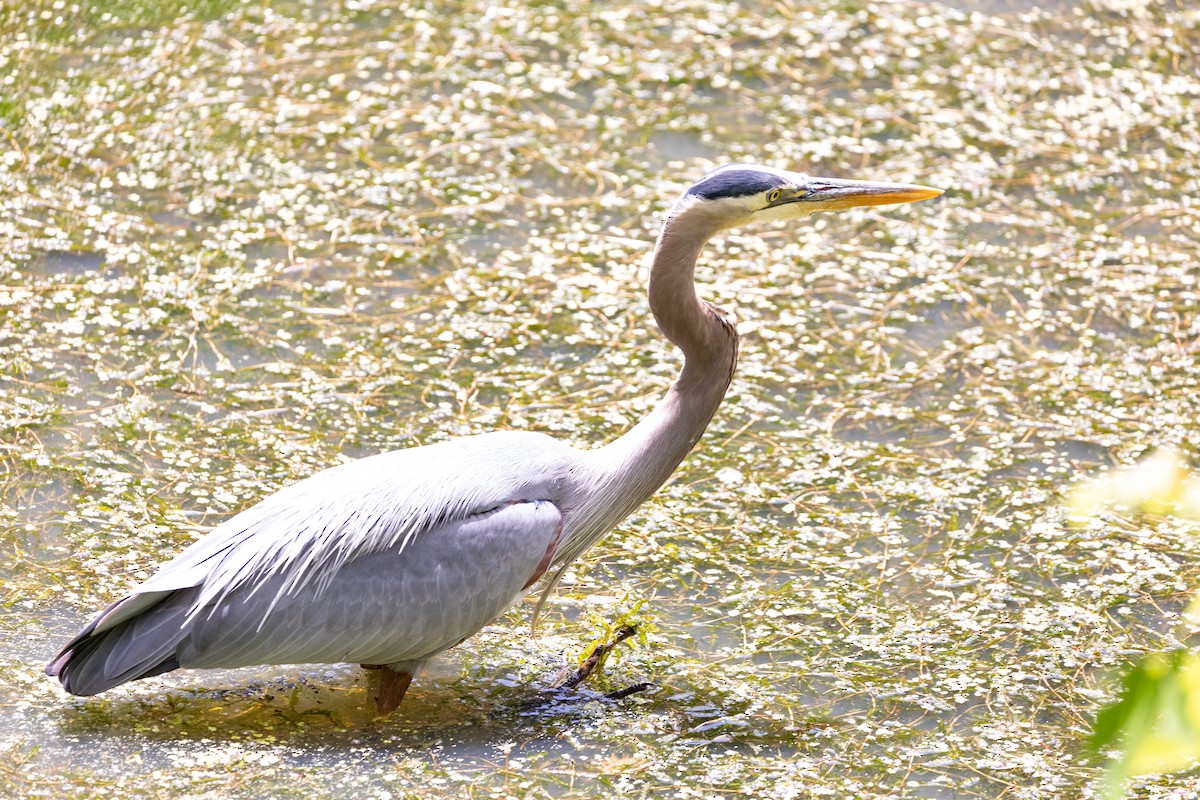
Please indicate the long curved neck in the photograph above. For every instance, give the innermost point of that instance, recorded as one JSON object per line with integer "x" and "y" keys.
{"x": 627, "y": 471}
{"x": 647, "y": 454}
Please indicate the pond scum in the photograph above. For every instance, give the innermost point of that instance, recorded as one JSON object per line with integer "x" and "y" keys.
{"x": 242, "y": 241}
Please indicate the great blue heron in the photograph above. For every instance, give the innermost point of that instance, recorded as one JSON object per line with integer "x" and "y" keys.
{"x": 389, "y": 560}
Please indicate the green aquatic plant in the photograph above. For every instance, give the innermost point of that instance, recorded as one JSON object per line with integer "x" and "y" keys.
{"x": 1155, "y": 722}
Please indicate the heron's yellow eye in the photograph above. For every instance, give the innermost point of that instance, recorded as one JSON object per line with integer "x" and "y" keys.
{"x": 773, "y": 196}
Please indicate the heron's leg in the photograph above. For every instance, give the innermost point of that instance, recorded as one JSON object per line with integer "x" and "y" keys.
{"x": 393, "y": 683}
{"x": 392, "y": 686}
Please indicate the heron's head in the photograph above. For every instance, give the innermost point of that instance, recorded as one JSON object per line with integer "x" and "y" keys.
{"x": 742, "y": 193}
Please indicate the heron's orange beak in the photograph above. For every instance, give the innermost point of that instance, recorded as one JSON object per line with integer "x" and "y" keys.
{"x": 833, "y": 193}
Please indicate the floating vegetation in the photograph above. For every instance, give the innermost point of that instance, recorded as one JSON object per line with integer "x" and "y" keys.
{"x": 244, "y": 241}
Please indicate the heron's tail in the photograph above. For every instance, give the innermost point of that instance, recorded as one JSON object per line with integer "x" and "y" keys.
{"x": 133, "y": 638}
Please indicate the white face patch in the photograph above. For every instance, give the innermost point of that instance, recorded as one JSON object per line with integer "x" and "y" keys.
{"x": 727, "y": 212}
{"x": 783, "y": 211}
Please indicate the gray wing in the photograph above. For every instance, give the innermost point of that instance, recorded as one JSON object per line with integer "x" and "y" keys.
{"x": 319, "y": 548}
{"x": 309, "y": 530}
{"x": 380, "y": 608}
{"x": 388, "y": 607}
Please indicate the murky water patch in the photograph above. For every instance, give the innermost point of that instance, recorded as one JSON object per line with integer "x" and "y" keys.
{"x": 65, "y": 263}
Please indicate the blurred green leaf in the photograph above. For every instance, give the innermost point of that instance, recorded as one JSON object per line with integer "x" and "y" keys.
{"x": 1163, "y": 483}
{"x": 1156, "y": 720}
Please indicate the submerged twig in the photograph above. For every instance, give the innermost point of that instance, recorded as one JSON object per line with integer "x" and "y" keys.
{"x": 621, "y": 694}
{"x": 597, "y": 656}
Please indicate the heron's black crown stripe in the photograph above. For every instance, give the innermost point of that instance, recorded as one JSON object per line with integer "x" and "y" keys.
{"x": 735, "y": 183}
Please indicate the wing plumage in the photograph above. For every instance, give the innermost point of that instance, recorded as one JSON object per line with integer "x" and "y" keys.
{"x": 388, "y": 559}
{"x": 391, "y": 606}
{"x": 307, "y": 531}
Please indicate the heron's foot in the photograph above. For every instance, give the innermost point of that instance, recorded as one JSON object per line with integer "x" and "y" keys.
{"x": 393, "y": 684}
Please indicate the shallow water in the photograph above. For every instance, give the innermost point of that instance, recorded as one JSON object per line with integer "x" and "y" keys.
{"x": 241, "y": 247}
